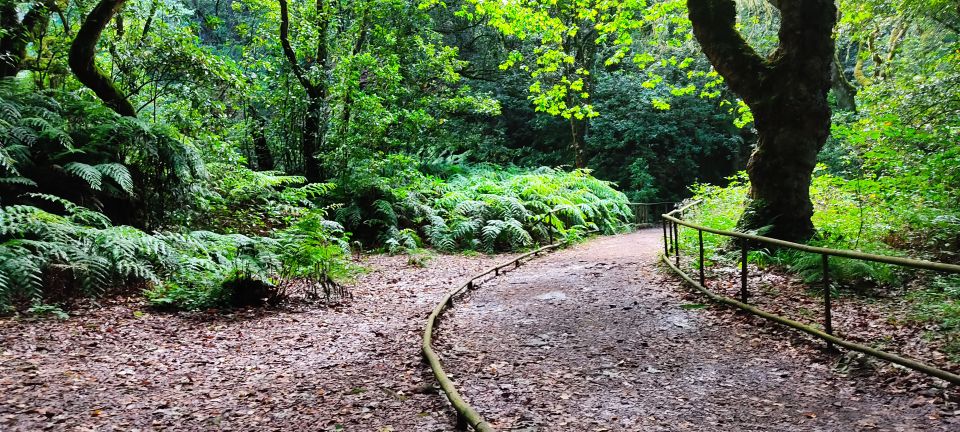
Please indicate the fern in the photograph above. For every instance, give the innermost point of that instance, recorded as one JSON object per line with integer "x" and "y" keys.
{"x": 494, "y": 209}
{"x": 87, "y": 173}
{"x": 118, "y": 173}
{"x": 387, "y": 216}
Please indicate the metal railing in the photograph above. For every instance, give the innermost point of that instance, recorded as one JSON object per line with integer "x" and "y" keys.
{"x": 649, "y": 214}
{"x": 466, "y": 414}
{"x": 671, "y": 246}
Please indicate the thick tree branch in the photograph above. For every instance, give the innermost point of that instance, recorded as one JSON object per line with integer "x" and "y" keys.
{"x": 734, "y": 59}
{"x": 83, "y": 54}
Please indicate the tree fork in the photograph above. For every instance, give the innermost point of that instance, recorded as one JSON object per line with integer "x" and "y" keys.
{"x": 787, "y": 93}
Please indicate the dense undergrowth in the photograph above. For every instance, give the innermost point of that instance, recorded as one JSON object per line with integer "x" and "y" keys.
{"x": 480, "y": 208}
{"x": 241, "y": 237}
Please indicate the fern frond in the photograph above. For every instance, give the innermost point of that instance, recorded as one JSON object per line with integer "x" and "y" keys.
{"x": 87, "y": 173}
{"x": 118, "y": 173}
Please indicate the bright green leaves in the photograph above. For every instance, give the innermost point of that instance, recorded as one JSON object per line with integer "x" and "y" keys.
{"x": 556, "y": 100}
{"x": 564, "y": 38}
{"x": 513, "y": 58}
{"x": 567, "y": 40}
{"x": 660, "y": 103}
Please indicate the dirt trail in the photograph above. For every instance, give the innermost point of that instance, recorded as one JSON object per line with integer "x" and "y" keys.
{"x": 592, "y": 338}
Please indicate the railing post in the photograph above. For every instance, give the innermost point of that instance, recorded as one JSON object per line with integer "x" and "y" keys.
{"x": 550, "y": 228}
{"x": 744, "y": 296}
{"x": 827, "y": 315}
{"x": 676, "y": 243}
{"x": 666, "y": 243}
{"x": 703, "y": 276}
{"x": 673, "y": 237}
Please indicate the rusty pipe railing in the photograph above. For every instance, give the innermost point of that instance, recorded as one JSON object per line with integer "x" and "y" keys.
{"x": 671, "y": 238}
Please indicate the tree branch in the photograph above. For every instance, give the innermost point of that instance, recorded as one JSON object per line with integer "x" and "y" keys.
{"x": 83, "y": 54}
{"x": 734, "y": 59}
{"x": 288, "y": 50}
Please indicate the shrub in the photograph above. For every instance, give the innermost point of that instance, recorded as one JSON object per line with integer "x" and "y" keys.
{"x": 842, "y": 217}
{"x": 43, "y": 254}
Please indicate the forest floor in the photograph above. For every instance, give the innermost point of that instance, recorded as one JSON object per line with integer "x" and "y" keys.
{"x": 596, "y": 338}
{"x": 590, "y": 338}
{"x": 122, "y": 366}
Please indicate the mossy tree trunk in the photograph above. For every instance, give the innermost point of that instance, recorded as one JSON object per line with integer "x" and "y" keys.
{"x": 787, "y": 93}
{"x": 16, "y": 34}
{"x": 843, "y": 90}
{"x": 83, "y": 55}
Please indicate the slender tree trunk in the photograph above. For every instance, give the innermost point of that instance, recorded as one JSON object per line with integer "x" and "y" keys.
{"x": 787, "y": 94}
{"x": 578, "y": 132}
{"x": 317, "y": 117}
{"x": 584, "y": 57}
{"x": 83, "y": 53}
{"x": 261, "y": 150}
{"x": 314, "y": 131}
{"x": 842, "y": 89}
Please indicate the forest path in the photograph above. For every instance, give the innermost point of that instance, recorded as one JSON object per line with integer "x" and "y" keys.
{"x": 593, "y": 338}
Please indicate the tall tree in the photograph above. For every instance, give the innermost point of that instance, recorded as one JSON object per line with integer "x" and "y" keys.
{"x": 317, "y": 89}
{"x": 787, "y": 92}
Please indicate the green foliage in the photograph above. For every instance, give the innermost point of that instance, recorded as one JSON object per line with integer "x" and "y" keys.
{"x": 44, "y": 254}
{"x": 841, "y": 220}
{"x": 315, "y": 249}
{"x": 78, "y": 251}
{"x": 845, "y": 271}
{"x": 480, "y": 208}
{"x": 653, "y": 155}
{"x": 241, "y": 200}
{"x": 209, "y": 268}
{"x": 939, "y": 304}
{"x": 59, "y": 144}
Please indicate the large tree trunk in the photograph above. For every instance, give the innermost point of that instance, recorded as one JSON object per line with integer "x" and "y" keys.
{"x": 83, "y": 53}
{"x": 788, "y": 96}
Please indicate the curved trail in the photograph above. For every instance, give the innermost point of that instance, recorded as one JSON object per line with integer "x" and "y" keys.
{"x": 592, "y": 338}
